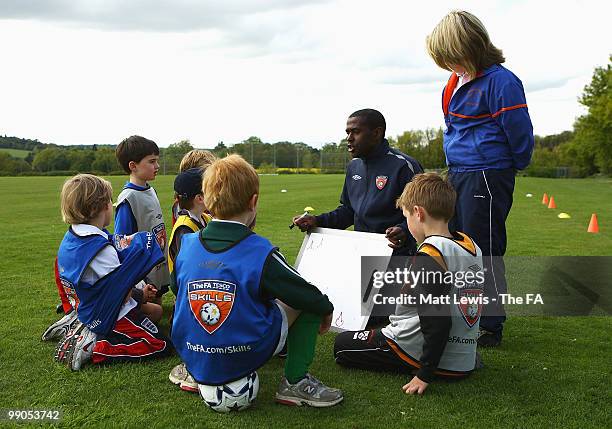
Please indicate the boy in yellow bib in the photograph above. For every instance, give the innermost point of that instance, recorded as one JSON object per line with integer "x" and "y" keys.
{"x": 191, "y": 218}
{"x": 191, "y": 215}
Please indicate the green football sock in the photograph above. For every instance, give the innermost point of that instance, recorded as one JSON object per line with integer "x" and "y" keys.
{"x": 301, "y": 343}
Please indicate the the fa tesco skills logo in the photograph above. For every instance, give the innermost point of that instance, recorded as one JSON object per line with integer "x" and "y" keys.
{"x": 211, "y": 302}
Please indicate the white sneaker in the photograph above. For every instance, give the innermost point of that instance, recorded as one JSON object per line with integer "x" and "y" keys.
{"x": 64, "y": 344}
{"x": 60, "y": 328}
{"x": 80, "y": 347}
{"x": 180, "y": 376}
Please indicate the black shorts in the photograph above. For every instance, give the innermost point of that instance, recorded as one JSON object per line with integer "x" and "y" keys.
{"x": 370, "y": 350}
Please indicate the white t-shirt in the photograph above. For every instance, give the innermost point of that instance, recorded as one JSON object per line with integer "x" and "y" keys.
{"x": 463, "y": 79}
{"x": 105, "y": 262}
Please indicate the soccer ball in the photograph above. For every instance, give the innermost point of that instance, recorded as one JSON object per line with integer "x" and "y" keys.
{"x": 210, "y": 313}
{"x": 235, "y": 396}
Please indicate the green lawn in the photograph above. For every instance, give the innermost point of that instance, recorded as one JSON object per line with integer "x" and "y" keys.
{"x": 15, "y": 153}
{"x": 549, "y": 372}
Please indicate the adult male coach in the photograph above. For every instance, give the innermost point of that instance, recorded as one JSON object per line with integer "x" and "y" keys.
{"x": 375, "y": 178}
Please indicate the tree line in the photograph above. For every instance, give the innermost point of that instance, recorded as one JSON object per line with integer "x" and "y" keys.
{"x": 51, "y": 159}
{"x": 584, "y": 151}
{"x": 587, "y": 149}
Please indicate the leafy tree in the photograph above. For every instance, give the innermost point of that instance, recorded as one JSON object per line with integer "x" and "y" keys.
{"x": 251, "y": 150}
{"x": 593, "y": 132}
{"x": 105, "y": 161}
{"x": 21, "y": 166}
{"x": 50, "y": 159}
{"x": 334, "y": 157}
{"x": 220, "y": 150}
{"x": 179, "y": 149}
{"x": 12, "y": 166}
{"x": 423, "y": 145}
{"x": 171, "y": 156}
{"x": 6, "y": 163}
{"x": 43, "y": 160}
{"x": 554, "y": 140}
{"x": 81, "y": 160}
{"x": 19, "y": 143}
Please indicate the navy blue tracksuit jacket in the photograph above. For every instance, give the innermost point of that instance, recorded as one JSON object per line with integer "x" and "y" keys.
{"x": 371, "y": 187}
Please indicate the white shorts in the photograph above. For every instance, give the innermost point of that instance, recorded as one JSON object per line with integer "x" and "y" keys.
{"x": 282, "y": 339}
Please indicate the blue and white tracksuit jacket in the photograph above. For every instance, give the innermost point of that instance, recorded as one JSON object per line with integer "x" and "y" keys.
{"x": 487, "y": 122}
{"x": 488, "y": 137}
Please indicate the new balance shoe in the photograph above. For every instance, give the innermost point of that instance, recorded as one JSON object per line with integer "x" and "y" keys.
{"x": 181, "y": 377}
{"x": 308, "y": 391}
{"x": 79, "y": 348}
{"x": 60, "y": 328}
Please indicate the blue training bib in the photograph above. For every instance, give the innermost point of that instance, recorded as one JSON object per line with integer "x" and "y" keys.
{"x": 223, "y": 328}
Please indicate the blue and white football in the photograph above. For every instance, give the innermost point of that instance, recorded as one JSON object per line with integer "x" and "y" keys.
{"x": 234, "y": 396}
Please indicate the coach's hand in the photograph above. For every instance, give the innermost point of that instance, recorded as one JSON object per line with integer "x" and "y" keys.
{"x": 416, "y": 385}
{"x": 396, "y": 236}
{"x": 325, "y": 324}
{"x": 305, "y": 222}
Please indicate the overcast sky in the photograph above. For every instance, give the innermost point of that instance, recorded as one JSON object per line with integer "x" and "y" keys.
{"x": 97, "y": 71}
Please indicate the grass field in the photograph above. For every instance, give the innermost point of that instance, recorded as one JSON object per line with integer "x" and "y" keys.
{"x": 549, "y": 372}
{"x": 15, "y": 153}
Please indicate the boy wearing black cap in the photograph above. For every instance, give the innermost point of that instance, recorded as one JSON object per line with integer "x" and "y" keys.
{"x": 196, "y": 158}
{"x": 191, "y": 218}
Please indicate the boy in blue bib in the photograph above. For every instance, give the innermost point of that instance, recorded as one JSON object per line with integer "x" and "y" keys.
{"x": 238, "y": 300}
{"x": 99, "y": 272}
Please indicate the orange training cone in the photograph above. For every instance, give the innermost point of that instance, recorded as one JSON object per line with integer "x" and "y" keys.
{"x": 551, "y": 203}
{"x": 593, "y": 225}
{"x": 545, "y": 198}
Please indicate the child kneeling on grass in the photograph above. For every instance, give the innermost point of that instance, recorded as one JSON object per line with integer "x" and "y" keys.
{"x": 99, "y": 273}
{"x": 433, "y": 334}
{"x": 258, "y": 301}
